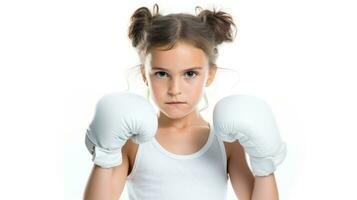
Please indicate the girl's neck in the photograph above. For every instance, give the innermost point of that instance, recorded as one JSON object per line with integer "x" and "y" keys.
{"x": 190, "y": 120}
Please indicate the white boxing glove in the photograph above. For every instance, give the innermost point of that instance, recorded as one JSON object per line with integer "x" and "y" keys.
{"x": 250, "y": 120}
{"x": 119, "y": 117}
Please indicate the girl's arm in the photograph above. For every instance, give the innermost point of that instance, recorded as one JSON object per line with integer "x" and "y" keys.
{"x": 107, "y": 183}
{"x": 99, "y": 184}
{"x": 240, "y": 175}
{"x": 265, "y": 188}
{"x": 245, "y": 185}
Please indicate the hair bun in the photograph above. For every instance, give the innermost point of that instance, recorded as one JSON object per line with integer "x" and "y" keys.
{"x": 140, "y": 20}
{"x": 220, "y": 22}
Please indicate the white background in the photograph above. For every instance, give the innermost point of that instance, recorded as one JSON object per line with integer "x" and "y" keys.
{"x": 58, "y": 57}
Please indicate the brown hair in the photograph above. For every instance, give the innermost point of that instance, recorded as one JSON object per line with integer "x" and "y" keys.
{"x": 206, "y": 30}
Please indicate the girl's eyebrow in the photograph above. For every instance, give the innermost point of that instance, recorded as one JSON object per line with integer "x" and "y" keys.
{"x": 192, "y": 68}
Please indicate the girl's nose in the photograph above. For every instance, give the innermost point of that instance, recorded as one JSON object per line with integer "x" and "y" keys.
{"x": 174, "y": 88}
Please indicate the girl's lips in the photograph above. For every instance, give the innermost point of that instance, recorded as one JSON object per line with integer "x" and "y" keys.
{"x": 175, "y": 102}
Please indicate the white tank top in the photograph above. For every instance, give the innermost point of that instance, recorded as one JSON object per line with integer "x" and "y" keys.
{"x": 158, "y": 174}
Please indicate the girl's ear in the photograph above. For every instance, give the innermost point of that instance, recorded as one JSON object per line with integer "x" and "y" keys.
{"x": 142, "y": 70}
{"x": 211, "y": 74}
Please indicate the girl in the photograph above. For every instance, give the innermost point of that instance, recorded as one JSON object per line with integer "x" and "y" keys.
{"x": 185, "y": 160}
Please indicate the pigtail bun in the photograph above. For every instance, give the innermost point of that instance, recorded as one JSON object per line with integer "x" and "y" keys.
{"x": 220, "y": 22}
{"x": 139, "y": 23}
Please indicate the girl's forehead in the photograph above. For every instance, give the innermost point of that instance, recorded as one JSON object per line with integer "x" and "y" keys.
{"x": 180, "y": 56}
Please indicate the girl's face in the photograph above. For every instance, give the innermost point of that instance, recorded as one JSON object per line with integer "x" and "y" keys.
{"x": 178, "y": 74}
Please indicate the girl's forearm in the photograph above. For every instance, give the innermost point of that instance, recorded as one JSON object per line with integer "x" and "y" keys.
{"x": 99, "y": 184}
{"x": 265, "y": 188}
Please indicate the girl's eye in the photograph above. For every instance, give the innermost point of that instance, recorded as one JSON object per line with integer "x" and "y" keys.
{"x": 161, "y": 73}
{"x": 191, "y": 74}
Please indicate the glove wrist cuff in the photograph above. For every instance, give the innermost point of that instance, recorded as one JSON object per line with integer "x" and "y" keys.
{"x": 263, "y": 166}
{"x": 103, "y": 157}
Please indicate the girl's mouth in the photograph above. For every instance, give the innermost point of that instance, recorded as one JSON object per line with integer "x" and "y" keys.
{"x": 175, "y": 102}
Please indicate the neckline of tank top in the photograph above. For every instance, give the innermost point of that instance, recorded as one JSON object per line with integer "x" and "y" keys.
{"x": 188, "y": 156}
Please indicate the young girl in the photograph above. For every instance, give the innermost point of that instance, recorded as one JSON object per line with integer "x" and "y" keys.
{"x": 185, "y": 159}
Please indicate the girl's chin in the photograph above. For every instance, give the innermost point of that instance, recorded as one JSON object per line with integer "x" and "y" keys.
{"x": 174, "y": 113}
